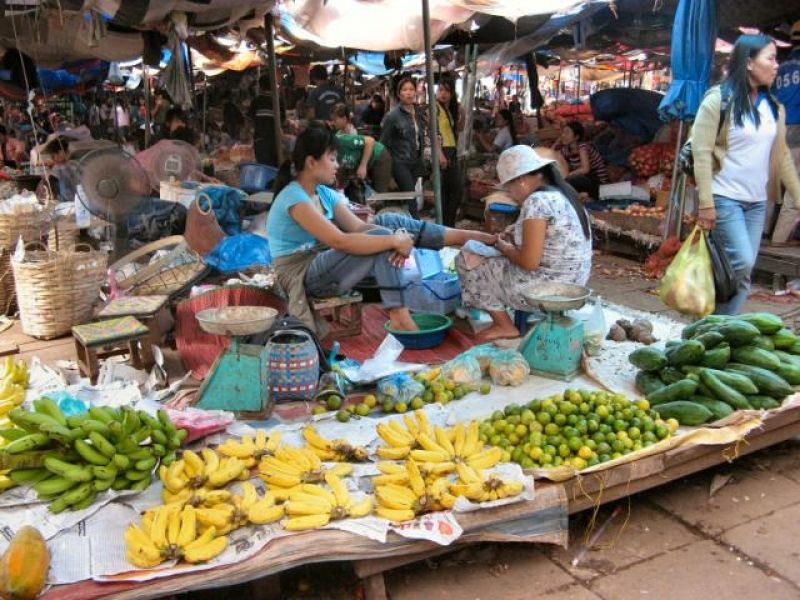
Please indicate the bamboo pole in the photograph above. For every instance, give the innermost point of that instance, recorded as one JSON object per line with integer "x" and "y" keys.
{"x": 269, "y": 25}
{"x": 433, "y": 124}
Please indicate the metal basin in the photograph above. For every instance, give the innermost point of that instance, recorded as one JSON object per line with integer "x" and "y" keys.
{"x": 236, "y": 320}
{"x": 555, "y": 297}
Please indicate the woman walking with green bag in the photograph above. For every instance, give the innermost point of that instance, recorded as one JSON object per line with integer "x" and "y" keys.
{"x": 741, "y": 159}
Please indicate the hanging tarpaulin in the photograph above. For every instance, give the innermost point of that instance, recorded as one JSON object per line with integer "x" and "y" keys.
{"x": 537, "y": 100}
{"x": 175, "y": 76}
{"x": 374, "y": 63}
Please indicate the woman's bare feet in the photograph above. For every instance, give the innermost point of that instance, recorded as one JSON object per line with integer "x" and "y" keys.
{"x": 499, "y": 332}
{"x": 400, "y": 320}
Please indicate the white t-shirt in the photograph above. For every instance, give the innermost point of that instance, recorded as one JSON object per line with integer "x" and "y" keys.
{"x": 503, "y": 139}
{"x": 123, "y": 119}
{"x": 745, "y": 168}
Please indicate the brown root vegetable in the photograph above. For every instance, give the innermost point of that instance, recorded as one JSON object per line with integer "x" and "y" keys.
{"x": 626, "y": 325}
{"x": 647, "y": 339}
{"x": 644, "y": 324}
{"x": 617, "y": 333}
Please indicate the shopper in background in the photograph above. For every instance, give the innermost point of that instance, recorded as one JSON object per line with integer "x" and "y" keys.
{"x": 447, "y": 112}
{"x": 787, "y": 91}
{"x": 740, "y": 166}
{"x": 404, "y": 135}
{"x": 262, "y": 113}
{"x": 324, "y": 96}
{"x": 587, "y": 169}
{"x": 360, "y": 155}
{"x": 373, "y": 114}
{"x": 504, "y": 138}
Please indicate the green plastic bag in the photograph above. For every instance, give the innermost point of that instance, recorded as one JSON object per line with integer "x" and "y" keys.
{"x": 688, "y": 284}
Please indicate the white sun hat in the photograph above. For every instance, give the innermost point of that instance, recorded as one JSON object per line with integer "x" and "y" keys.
{"x": 519, "y": 160}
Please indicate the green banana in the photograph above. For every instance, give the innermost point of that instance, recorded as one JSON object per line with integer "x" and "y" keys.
{"x": 159, "y": 437}
{"x": 121, "y": 461}
{"x": 120, "y": 483}
{"x": 146, "y": 464}
{"x": 77, "y": 494}
{"x": 141, "y": 454}
{"x": 134, "y": 475}
{"x": 54, "y": 485}
{"x": 30, "y": 442}
{"x": 101, "y": 485}
{"x": 86, "y": 502}
{"x": 58, "y": 505}
{"x": 61, "y": 434}
{"x": 141, "y": 485}
{"x": 116, "y": 432}
{"x": 105, "y": 472}
{"x": 48, "y": 406}
{"x": 158, "y": 450}
{"x": 89, "y": 454}
{"x": 13, "y": 434}
{"x": 141, "y": 434}
{"x": 127, "y": 446}
{"x": 166, "y": 423}
{"x": 29, "y": 420}
{"x": 28, "y": 476}
{"x": 103, "y": 446}
{"x": 150, "y": 421}
{"x": 90, "y": 425}
{"x": 67, "y": 470}
{"x": 99, "y": 414}
{"x": 168, "y": 458}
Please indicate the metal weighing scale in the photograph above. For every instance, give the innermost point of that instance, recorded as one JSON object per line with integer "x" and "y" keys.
{"x": 237, "y": 380}
{"x": 555, "y": 345}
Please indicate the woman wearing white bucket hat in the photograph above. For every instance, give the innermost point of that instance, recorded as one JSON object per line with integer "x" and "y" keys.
{"x": 550, "y": 241}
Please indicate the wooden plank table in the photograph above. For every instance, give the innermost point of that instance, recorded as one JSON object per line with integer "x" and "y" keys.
{"x": 782, "y": 263}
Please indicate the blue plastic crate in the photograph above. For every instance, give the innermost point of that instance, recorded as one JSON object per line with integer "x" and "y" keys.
{"x": 255, "y": 177}
{"x": 440, "y": 294}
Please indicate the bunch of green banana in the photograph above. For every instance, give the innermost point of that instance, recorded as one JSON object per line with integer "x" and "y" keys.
{"x": 83, "y": 455}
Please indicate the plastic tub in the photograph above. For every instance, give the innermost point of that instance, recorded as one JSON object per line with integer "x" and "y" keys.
{"x": 255, "y": 177}
{"x": 438, "y": 294}
{"x": 432, "y": 329}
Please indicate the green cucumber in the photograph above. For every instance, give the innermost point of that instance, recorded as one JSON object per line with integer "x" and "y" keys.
{"x": 789, "y": 372}
{"x": 795, "y": 349}
{"x": 764, "y": 342}
{"x": 689, "y": 352}
{"x": 722, "y": 391}
{"x": 767, "y": 323}
{"x": 647, "y": 383}
{"x": 738, "y": 332}
{"x": 710, "y": 339}
{"x": 767, "y": 382}
{"x": 718, "y": 357}
{"x": 786, "y": 357}
{"x": 708, "y": 322}
{"x": 718, "y": 408}
{"x": 763, "y": 402}
{"x": 750, "y": 355}
{"x": 677, "y": 391}
{"x": 741, "y": 383}
{"x": 648, "y": 359}
{"x": 670, "y": 375}
{"x": 686, "y": 412}
{"x": 784, "y": 339}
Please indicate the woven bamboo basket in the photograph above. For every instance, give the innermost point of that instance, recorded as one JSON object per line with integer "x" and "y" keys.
{"x": 63, "y": 233}
{"x": 57, "y": 289}
{"x": 30, "y": 227}
{"x": 6, "y": 282}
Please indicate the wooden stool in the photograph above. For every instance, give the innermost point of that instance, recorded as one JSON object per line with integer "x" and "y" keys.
{"x": 343, "y": 313}
{"x": 151, "y": 311}
{"x": 113, "y": 337}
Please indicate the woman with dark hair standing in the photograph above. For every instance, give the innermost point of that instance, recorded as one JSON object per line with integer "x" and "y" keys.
{"x": 321, "y": 249}
{"x": 447, "y": 112}
{"x": 404, "y": 135}
{"x": 587, "y": 169}
{"x": 741, "y": 157}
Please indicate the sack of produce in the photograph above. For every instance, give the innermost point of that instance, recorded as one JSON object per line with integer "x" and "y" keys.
{"x": 400, "y": 387}
{"x": 463, "y": 369}
{"x": 508, "y": 367}
{"x": 688, "y": 284}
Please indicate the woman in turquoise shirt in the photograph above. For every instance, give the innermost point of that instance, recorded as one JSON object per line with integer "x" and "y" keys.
{"x": 322, "y": 249}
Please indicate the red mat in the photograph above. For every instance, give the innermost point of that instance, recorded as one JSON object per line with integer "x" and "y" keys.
{"x": 363, "y": 346}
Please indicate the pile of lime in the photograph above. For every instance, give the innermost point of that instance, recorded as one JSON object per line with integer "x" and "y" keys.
{"x": 335, "y": 403}
{"x": 580, "y": 428}
{"x": 436, "y": 388}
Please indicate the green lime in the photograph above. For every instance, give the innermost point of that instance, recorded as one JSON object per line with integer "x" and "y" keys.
{"x": 575, "y": 443}
{"x": 370, "y": 400}
{"x": 387, "y": 406}
{"x": 362, "y": 410}
{"x": 400, "y": 407}
{"x": 551, "y": 429}
{"x": 485, "y": 388}
{"x": 318, "y": 410}
{"x": 343, "y": 416}
{"x": 334, "y": 402}
{"x": 417, "y": 403}
{"x": 560, "y": 419}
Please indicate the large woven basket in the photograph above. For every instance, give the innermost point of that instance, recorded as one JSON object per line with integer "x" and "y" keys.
{"x": 57, "y": 289}
{"x": 31, "y": 226}
{"x": 63, "y": 233}
{"x": 6, "y": 282}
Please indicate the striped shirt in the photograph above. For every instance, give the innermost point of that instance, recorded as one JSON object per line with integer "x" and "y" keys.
{"x": 597, "y": 165}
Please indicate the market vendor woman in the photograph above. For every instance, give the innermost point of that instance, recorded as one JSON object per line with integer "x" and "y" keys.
{"x": 550, "y": 241}
{"x": 322, "y": 249}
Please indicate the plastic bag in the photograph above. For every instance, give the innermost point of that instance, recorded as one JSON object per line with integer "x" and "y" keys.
{"x": 463, "y": 370}
{"x": 400, "y": 387}
{"x": 239, "y": 252}
{"x": 508, "y": 367}
{"x": 725, "y": 285}
{"x": 688, "y": 284}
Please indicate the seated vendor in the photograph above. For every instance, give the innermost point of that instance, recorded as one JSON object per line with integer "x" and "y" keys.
{"x": 587, "y": 169}
{"x": 550, "y": 241}
{"x": 56, "y": 156}
{"x": 176, "y": 126}
{"x": 321, "y": 249}
{"x": 361, "y": 155}
{"x": 504, "y": 138}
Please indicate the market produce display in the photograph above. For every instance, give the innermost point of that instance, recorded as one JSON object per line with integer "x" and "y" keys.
{"x": 580, "y": 428}
{"x": 24, "y": 566}
{"x": 721, "y": 364}
{"x": 649, "y": 159}
{"x": 639, "y": 210}
{"x": 13, "y": 382}
{"x": 312, "y": 506}
{"x": 84, "y": 455}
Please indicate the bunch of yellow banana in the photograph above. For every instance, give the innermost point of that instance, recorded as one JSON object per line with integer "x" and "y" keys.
{"x": 13, "y": 381}
{"x": 248, "y": 450}
{"x": 291, "y": 467}
{"x": 481, "y": 488}
{"x": 333, "y": 450}
{"x": 194, "y": 472}
{"x": 401, "y": 440}
{"x": 169, "y": 533}
{"x": 403, "y": 502}
{"x": 459, "y": 445}
{"x": 195, "y": 497}
{"x": 392, "y": 472}
{"x": 5, "y": 481}
{"x": 312, "y": 506}
{"x": 241, "y": 510}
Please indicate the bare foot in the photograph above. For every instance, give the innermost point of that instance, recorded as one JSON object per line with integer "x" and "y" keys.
{"x": 402, "y": 322}
{"x": 497, "y": 332}
{"x": 487, "y": 238}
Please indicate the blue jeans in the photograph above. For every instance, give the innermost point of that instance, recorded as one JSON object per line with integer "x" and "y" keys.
{"x": 333, "y": 273}
{"x": 739, "y": 227}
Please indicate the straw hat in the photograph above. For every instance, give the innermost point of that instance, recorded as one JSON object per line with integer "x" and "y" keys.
{"x": 519, "y": 160}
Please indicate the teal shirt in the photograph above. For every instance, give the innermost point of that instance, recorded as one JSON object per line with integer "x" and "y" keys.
{"x": 285, "y": 235}
{"x": 350, "y": 147}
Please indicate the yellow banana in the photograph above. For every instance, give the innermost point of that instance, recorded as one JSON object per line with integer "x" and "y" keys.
{"x": 315, "y": 490}
{"x": 174, "y": 525}
{"x": 430, "y": 456}
{"x": 398, "y": 478}
{"x": 211, "y": 460}
{"x": 485, "y": 459}
{"x": 194, "y": 465}
{"x": 158, "y": 530}
{"x": 361, "y": 509}
{"x": 339, "y": 490}
{"x": 306, "y": 522}
{"x": 459, "y": 438}
{"x": 390, "y": 468}
{"x": 265, "y": 511}
{"x": 393, "y": 452}
{"x": 305, "y": 504}
{"x": 390, "y": 498}
{"x": 140, "y": 550}
{"x": 227, "y": 472}
{"x": 443, "y": 439}
{"x": 188, "y": 529}
{"x": 314, "y": 439}
{"x": 214, "y": 517}
{"x": 280, "y": 480}
{"x": 205, "y": 552}
{"x": 394, "y": 515}
{"x": 472, "y": 443}
{"x": 415, "y": 481}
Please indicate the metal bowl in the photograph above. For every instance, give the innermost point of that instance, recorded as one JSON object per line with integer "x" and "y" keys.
{"x": 554, "y": 296}
{"x": 236, "y": 320}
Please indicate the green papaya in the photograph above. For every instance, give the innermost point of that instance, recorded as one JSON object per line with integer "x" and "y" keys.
{"x": 784, "y": 339}
{"x": 767, "y": 382}
{"x": 738, "y": 332}
{"x": 686, "y": 412}
{"x": 689, "y": 352}
{"x": 750, "y": 355}
{"x": 648, "y": 359}
{"x": 718, "y": 408}
{"x": 718, "y": 357}
{"x": 647, "y": 383}
{"x": 767, "y": 323}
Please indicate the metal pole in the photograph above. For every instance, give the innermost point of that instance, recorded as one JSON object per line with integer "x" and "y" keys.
{"x": 269, "y": 25}
{"x": 148, "y": 117}
{"x": 433, "y": 124}
{"x": 470, "y": 83}
{"x": 205, "y": 112}
{"x": 675, "y": 204}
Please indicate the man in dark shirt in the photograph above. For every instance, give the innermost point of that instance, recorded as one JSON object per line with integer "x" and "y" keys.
{"x": 176, "y": 126}
{"x": 324, "y": 96}
{"x": 262, "y": 112}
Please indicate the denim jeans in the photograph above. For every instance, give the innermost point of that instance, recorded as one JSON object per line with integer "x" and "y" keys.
{"x": 739, "y": 227}
{"x": 333, "y": 273}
